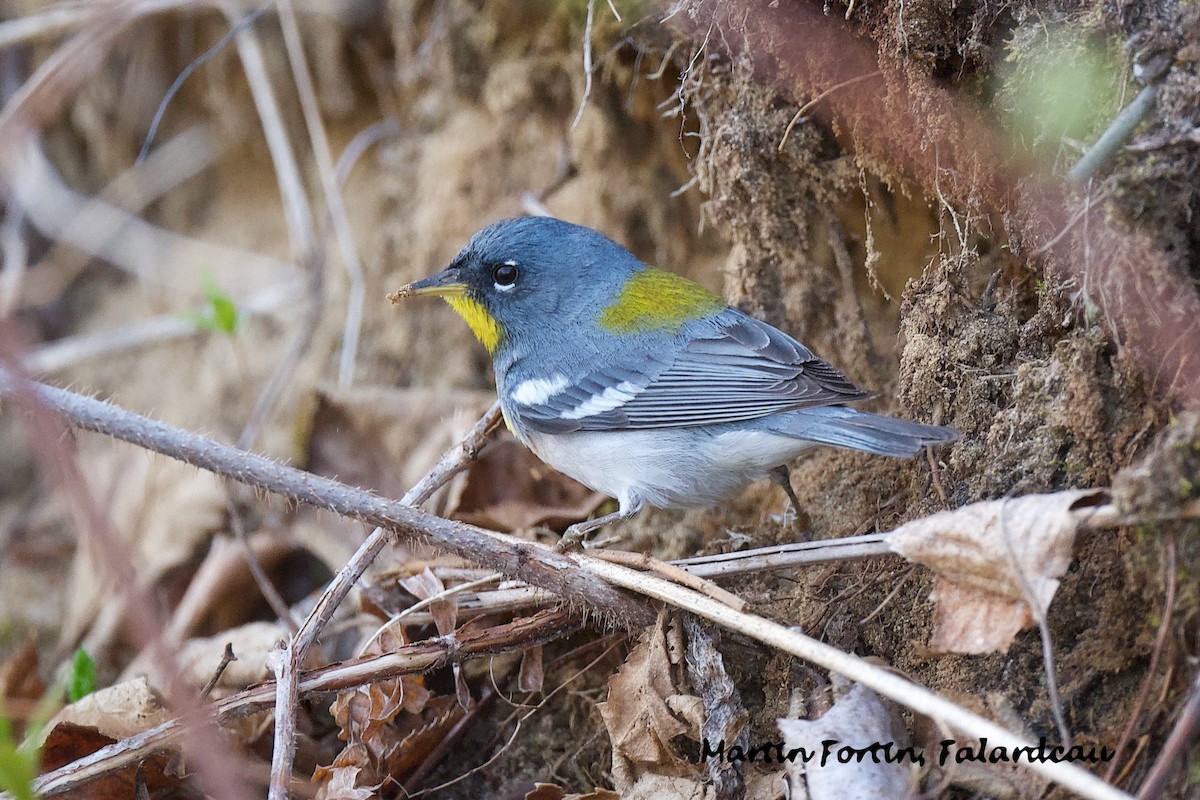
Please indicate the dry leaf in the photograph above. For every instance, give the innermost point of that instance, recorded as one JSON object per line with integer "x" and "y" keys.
{"x": 424, "y": 585}
{"x": 510, "y": 489}
{"x": 640, "y": 723}
{"x": 119, "y": 711}
{"x": 859, "y": 719}
{"x": 653, "y": 786}
{"x": 966, "y": 620}
{"x": 69, "y": 742}
{"x": 531, "y": 676}
{"x": 198, "y": 658}
{"x": 994, "y": 560}
{"x": 342, "y": 784}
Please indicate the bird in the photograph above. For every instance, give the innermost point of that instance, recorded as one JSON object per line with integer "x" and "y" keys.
{"x": 644, "y": 385}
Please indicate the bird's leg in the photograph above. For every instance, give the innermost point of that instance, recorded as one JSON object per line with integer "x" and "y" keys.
{"x": 573, "y": 537}
{"x": 783, "y": 477}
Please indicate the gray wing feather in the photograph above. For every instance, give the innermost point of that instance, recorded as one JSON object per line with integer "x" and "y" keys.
{"x": 743, "y": 369}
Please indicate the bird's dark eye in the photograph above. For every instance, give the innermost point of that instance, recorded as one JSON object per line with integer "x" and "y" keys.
{"x": 505, "y": 274}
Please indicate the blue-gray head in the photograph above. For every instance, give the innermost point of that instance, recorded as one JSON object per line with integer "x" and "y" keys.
{"x": 521, "y": 277}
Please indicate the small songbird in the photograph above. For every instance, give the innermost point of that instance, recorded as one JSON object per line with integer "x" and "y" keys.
{"x": 642, "y": 384}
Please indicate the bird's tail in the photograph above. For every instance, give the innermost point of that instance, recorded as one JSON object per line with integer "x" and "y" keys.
{"x": 859, "y": 430}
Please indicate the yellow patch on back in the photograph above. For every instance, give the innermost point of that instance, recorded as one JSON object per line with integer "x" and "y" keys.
{"x": 657, "y": 300}
{"x": 485, "y": 327}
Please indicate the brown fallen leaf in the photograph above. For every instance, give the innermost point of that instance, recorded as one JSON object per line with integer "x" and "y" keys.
{"x": 510, "y": 489}
{"x": 198, "y": 658}
{"x": 68, "y": 742}
{"x": 120, "y": 711}
{"x": 859, "y": 719}
{"x": 638, "y": 716}
{"x": 998, "y": 564}
{"x": 652, "y": 786}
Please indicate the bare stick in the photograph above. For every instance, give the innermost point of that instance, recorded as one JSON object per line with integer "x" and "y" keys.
{"x": 60, "y": 466}
{"x": 672, "y": 573}
{"x": 1115, "y": 136}
{"x": 227, "y": 658}
{"x": 335, "y": 208}
{"x": 72, "y": 350}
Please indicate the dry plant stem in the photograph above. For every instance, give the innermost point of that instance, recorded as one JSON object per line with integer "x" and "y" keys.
{"x": 286, "y": 664}
{"x": 574, "y": 577}
{"x": 1175, "y": 748}
{"x": 261, "y": 579}
{"x": 336, "y": 209}
{"x": 804, "y": 109}
{"x": 299, "y": 220}
{"x": 295, "y": 202}
{"x": 411, "y": 659}
{"x": 886, "y": 683}
{"x": 673, "y": 573}
{"x": 73, "y": 350}
{"x": 1164, "y": 629}
{"x": 60, "y": 213}
{"x": 304, "y": 246}
{"x": 587, "y": 62}
{"x": 16, "y": 258}
{"x": 787, "y": 556}
{"x": 362, "y": 141}
{"x": 227, "y": 658}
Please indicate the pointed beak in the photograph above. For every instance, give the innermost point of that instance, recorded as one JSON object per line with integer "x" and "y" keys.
{"x": 447, "y": 283}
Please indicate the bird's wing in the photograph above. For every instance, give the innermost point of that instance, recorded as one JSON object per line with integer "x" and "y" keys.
{"x": 741, "y": 369}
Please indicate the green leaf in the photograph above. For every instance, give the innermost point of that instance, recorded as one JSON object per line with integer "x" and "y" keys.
{"x": 18, "y": 765}
{"x": 221, "y": 315}
{"x": 82, "y": 680}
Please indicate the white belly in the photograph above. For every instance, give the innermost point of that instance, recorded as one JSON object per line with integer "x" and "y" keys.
{"x": 667, "y": 468}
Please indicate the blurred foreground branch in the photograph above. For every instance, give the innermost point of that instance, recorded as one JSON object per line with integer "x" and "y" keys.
{"x": 507, "y": 554}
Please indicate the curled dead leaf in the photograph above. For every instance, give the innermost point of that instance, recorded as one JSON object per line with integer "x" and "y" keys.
{"x": 639, "y": 719}
{"x": 998, "y": 564}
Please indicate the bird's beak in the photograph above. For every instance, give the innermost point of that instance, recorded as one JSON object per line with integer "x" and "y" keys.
{"x": 447, "y": 283}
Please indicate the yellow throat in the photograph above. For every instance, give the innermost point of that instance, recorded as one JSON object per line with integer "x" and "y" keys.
{"x": 485, "y": 327}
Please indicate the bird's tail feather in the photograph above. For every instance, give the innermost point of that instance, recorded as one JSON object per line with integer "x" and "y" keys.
{"x": 859, "y": 430}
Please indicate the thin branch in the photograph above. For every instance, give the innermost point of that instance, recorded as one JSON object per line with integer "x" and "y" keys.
{"x": 1116, "y": 135}
{"x": 882, "y": 681}
{"x": 1175, "y": 748}
{"x": 516, "y": 557}
{"x": 586, "y": 581}
{"x": 1164, "y": 630}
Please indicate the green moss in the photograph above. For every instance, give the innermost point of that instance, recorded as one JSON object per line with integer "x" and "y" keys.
{"x": 1058, "y": 83}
